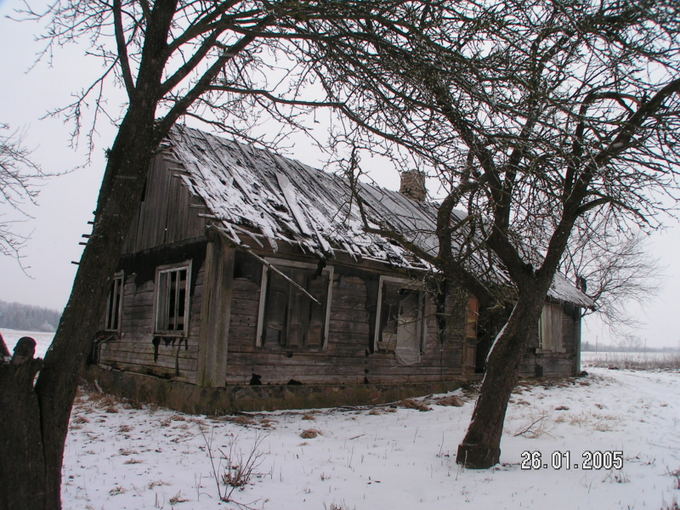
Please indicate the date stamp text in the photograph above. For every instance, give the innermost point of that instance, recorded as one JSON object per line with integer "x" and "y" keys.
{"x": 533, "y": 460}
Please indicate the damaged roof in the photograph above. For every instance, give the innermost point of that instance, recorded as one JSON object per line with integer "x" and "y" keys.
{"x": 259, "y": 195}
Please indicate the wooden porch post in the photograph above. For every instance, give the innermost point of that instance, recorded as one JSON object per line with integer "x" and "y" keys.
{"x": 215, "y": 312}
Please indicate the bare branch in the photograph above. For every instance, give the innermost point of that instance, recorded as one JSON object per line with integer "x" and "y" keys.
{"x": 122, "y": 49}
{"x": 273, "y": 98}
{"x": 19, "y": 176}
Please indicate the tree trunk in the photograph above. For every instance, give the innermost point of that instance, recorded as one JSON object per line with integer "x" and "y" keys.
{"x": 22, "y": 465}
{"x": 48, "y": 403}
{"x": 36, "y": 417}
{"x": 481, "y": 446}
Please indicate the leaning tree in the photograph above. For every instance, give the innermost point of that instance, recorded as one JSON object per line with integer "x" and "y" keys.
{"x": 540, "y": 119}
{"x": 223, "y": 61}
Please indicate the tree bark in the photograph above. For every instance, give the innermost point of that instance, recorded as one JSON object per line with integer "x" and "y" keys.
{"x": 39, "y": 413}
{"x": 22, "y": 464}
{"x": 56, "y": 386}
{"x": 480, "y": 448}
{"x": 38, "y": 416}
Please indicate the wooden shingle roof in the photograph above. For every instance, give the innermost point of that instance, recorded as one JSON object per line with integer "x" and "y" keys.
{"x": 265, "y": 198}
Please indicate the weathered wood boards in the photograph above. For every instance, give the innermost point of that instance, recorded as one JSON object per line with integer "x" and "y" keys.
{"x": 237, "y": 269}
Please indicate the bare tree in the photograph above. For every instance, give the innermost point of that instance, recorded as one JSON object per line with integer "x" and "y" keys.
{"x": 18, "y": 181}
{"x": 614, "y": 269}
{"x": 536, "y": 117}
{"x": 217, "y": 60}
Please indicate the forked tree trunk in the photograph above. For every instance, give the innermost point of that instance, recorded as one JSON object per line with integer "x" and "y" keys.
{"x": 40, "y": 413}
{"x": 480, "y": 448}
{"x": 35, "y": 417}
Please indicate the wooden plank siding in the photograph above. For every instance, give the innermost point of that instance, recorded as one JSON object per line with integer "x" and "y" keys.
{"x": 566, "y": 361}
{"x": 134, "y": 348}
{"x": 348, "y": 357}
{"x": 167, "y": 214}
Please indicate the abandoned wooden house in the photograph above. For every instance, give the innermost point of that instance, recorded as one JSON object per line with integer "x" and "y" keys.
{"x": 247, "y": 281}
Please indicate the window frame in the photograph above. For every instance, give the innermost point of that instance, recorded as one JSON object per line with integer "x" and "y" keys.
{"x": 118, "y": 276}
{"x": 406, "y": 284}
{"x": 169, "y": 268}
{"x": 264, "y": 280}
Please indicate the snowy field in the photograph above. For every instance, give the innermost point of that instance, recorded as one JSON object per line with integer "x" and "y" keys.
{"x": 631, "y": 359}
{"x": 42, "y": 338}
{"x": 121, "y": 455}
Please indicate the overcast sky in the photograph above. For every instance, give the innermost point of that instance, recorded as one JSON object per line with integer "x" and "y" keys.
{"x": 66, "y": 202}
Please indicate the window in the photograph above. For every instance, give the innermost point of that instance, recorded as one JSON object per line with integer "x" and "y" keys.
{"x": 550, "y": 328}
{"x": 288, "y": 317}
{"x": 172, "y": 299}
{"x": 114, "y": 304}
{"x": 399, "y": 326}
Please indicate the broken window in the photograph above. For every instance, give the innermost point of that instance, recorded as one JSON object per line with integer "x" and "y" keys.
{"x": 550, "y": 328}
{"x": 400, "y": 325}
{"x": 114, "y": 304}
{"x": 172, "y": 299}
{"x": 294, "y": 306}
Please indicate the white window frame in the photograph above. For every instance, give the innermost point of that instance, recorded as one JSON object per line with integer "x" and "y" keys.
{"x": 295, "y": 264}
{"x": 169, "y": 268}
{"x": 118, "y": 283}
{"x": 406, "y": 284}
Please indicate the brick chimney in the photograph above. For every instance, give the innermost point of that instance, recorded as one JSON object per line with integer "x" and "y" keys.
{"x": 413, "y": 185}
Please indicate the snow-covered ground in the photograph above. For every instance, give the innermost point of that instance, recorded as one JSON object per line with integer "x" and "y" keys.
{"x": 121, "y": 455}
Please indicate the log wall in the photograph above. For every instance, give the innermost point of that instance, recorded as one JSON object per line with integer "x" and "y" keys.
{"x": 349, "y": 356}
{"x": 133, "y": 348}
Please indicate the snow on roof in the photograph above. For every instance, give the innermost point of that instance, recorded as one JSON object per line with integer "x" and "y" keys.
{"x": 257, "y": 194}
{"x": 254, "y": 190}
{"x": 563, "y": 290}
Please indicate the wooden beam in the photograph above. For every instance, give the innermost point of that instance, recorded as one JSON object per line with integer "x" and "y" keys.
{"x": 215, "y": 313}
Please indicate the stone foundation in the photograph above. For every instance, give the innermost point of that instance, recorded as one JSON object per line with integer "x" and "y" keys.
{"x": 190, "y": 398}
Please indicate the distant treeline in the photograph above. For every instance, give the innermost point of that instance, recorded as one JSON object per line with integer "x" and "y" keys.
{"x": 28, "y": 317}
{"x": 588, "y": 347}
